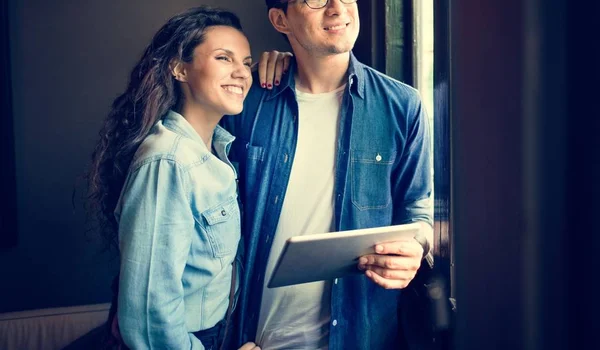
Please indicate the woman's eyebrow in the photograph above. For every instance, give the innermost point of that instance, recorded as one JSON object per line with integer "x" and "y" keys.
{"x": 230, "y": 53}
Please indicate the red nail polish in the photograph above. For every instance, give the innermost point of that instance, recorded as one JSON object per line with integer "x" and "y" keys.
{"x": 269, "y": 86}
{"x": 276, "y": 82}
{"x": 263, "y": 85}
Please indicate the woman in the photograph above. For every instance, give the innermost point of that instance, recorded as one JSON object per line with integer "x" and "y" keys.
{"x": 164, "y": 188}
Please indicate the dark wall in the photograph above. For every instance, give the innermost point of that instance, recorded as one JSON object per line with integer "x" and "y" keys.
{"x": 69, "y": 60}
{"x": 525, "y": 173}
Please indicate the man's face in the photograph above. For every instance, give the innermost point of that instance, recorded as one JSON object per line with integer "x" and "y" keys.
{"x": 330, "y": 30}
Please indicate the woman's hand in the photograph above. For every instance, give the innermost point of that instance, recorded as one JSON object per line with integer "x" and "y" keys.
{"x": 249, "y": 346}
{"x": 272, "y": 66}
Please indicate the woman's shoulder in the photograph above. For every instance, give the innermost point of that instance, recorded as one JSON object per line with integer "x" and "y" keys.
{"x": 163, "y": 144}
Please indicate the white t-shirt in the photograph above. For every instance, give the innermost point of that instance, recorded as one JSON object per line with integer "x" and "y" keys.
{"x": 297, "y": 317}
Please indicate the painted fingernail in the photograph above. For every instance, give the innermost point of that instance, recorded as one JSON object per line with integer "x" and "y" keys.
{"x": 269, "y": 86}
{"x": 263, "y": 85}
{"x": 276, "y": 82}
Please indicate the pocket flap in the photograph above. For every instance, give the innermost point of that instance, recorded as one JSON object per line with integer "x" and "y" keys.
{"x": 373, "y": 156}
{"x": 221, "y": 212}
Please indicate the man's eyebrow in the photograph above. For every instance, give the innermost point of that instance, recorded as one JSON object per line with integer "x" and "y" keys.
{"x": 230, "y": 53}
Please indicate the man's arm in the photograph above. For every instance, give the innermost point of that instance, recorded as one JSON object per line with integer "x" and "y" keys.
{"x": 395, "y": 264}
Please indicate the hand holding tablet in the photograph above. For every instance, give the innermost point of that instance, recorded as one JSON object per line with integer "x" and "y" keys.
{"x": 325, "y": 256}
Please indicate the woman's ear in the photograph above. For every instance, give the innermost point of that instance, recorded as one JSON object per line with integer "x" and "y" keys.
{"x": 177, "y": 70}
{"x": 279, "y": 20}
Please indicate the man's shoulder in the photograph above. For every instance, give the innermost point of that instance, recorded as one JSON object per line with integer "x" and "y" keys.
{"x": 375, "y": 81}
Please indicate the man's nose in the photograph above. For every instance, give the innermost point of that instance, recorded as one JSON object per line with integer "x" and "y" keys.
{"x": 334, "y": 7}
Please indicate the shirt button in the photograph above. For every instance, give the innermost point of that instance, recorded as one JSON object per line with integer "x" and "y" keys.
{"x": 223, "y": 212}
{"x": 334, "y": 323}
{"x": 335, "y": 281}
{"x": 378, "y": 157}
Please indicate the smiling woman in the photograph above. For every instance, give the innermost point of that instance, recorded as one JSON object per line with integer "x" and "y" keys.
{"x": 164, "y": 189}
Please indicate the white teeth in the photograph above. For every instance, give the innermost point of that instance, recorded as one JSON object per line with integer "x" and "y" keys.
{"x": 336, "y": 27}
{"x": 234, "y": 89}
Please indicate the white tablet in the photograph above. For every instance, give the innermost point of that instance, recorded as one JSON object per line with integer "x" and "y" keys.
{"x": 325, "y": 256}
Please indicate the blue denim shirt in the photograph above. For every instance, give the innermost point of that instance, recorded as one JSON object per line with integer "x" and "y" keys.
{"x": 382, "y": 177}
{"x": 179, "y": 228}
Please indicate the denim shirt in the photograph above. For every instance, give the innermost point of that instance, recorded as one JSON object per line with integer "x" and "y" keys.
{"x": 179, "y": 229}
{"x": 382, "y": 177}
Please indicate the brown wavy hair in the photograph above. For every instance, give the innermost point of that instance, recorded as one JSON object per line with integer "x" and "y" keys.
{"x": 150, "y": 93}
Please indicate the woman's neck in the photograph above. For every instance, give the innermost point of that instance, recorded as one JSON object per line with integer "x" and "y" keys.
{"x": 203, "y": 122}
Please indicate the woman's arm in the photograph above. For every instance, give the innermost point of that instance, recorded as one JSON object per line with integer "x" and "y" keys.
{"x": 155, "y": 230}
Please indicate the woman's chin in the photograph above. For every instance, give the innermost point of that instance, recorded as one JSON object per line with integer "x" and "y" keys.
{"x": 235, "y": 110}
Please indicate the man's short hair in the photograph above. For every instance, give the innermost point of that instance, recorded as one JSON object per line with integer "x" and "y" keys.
{"x": 276, "y": 4}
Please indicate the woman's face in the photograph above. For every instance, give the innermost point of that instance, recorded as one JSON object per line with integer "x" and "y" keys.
{"x": 218, "y": 77}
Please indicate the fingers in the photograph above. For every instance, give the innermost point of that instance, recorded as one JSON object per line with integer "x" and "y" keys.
{"x": 249, "y": 346}
{"x": 393, "y": 279}
{"x": 271, "y": 67}
{"x": 266, "y": 68}
{"x": 281, "y": 66}
{"x": 278, "y": 70}
{"x": 286, "y": 61}
{"x": 405, "y": 248}
{"x": 262, "y": 69}
{"x": 390, "y": 262}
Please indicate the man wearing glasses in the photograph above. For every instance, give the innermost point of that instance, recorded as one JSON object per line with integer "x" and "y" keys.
{"x": 334, "y": 146}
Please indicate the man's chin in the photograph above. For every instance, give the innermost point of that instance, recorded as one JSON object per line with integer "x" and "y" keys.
{"x": 337, "y": 50}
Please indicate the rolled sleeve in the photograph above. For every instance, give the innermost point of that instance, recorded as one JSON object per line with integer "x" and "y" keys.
{"x": 412, "y": 178}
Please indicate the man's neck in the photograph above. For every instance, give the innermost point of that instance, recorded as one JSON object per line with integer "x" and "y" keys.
{"x": 319, "y": 74}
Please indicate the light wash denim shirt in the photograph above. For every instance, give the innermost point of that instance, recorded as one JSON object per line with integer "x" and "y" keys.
{"x": 179, "y": 229}
{"x": 382, "y": 178}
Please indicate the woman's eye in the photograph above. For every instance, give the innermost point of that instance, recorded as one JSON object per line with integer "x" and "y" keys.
{"x": 248, "y": 64}
{"x": 224, "y": 58}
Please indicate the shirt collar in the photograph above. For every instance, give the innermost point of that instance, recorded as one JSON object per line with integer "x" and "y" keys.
{"x": 178, "y": 124}
{"x": 355, "y": 79}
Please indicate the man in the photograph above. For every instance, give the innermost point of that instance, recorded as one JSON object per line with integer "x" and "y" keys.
{"x": 334, "y": 146}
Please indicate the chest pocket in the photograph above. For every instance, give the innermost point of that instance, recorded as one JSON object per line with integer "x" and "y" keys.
{"x": 223, "y": 227}
{"x": 371, "y": 178}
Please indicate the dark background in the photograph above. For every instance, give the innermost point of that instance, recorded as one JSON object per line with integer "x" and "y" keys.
{"x": 517, "y": 84}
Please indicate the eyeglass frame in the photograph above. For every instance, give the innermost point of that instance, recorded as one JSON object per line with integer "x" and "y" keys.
{"x": 345, "y": 2}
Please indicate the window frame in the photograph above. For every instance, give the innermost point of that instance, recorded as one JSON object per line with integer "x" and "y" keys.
{"x": 387, "y": 43}
{"x": 8, "y": 216}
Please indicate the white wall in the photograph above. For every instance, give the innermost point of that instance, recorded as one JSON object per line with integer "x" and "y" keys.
{"x": 70, "y": 59}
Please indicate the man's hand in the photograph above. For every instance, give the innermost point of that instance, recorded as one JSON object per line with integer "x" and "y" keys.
{"x": 395, "y": 264}
{"x": 272, "y": 66}
{"x": 249, "y": 346}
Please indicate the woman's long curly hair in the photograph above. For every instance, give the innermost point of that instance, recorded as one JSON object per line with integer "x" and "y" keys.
{"x": 151, "y": 92}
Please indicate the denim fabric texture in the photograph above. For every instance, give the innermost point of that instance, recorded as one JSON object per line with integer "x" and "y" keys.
{"x": 382, "y": 177}
{"x": 179, "y": 229}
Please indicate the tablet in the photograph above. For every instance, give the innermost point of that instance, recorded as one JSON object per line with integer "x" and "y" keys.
{"x": 325, "y": 256}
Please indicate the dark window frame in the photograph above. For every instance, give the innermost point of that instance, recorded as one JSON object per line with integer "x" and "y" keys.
{"x": 8, "y": 216}
{"x": 386, "y": 44}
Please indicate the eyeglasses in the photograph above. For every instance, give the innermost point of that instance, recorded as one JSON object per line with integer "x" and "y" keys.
{"x": 319, "y": 4}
